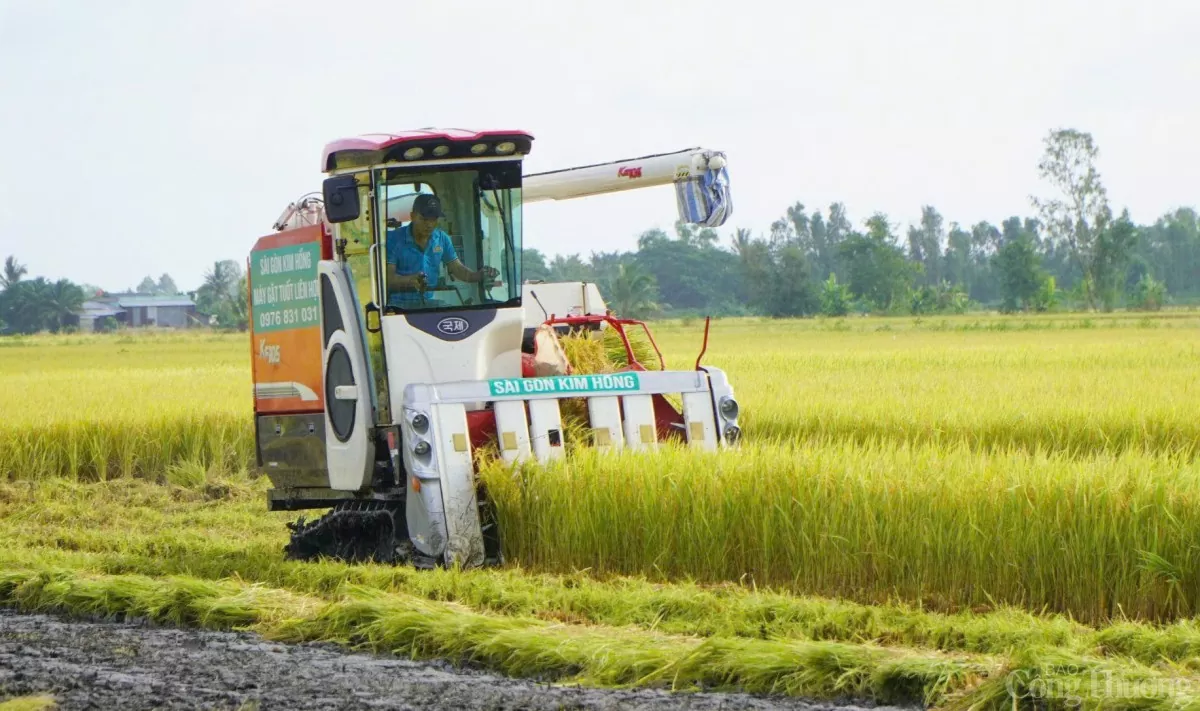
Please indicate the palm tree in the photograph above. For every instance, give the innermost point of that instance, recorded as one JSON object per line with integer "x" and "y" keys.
{"x": 569, "y": 269}
{"x": 240, "y": 309}
{"x": 741, "y": 241}
{"x": 220, "y": 290}
{"x": 29, "y": 305}
{"x": 63, "y": 300}
{"x": 604, "y": 265}
{"x": 12, "y": 272}
{"x": 632, "y": 292}
{"x": 221, "y": 281}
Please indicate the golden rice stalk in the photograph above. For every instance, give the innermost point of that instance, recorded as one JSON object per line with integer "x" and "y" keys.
{"x": 603, "y": 352}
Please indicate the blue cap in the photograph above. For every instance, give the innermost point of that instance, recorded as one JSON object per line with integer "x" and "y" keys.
{"x": 427, "y": 206}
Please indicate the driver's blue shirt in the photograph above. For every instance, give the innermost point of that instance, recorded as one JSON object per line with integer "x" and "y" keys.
{"x": 402, "y": 252}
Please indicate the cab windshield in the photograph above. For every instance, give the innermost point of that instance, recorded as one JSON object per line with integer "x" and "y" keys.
{"x": 452, "y": 236}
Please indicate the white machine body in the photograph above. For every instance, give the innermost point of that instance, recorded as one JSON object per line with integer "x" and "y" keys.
{"x": 543, "y": 300}
{"x": 415, "y": 356}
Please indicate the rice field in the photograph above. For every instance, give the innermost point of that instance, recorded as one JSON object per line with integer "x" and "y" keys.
{"x": 95, "y": 407}
{"x": 950, "y": 512}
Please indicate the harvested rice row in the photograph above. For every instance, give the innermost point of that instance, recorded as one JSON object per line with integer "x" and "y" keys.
{"x": 138, "y": 528}
{"x": 373, "y": 620}
{"x": 518, "y": 646}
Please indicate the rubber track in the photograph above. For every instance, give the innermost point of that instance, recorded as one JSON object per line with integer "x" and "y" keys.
{"x": 354, "y": 531}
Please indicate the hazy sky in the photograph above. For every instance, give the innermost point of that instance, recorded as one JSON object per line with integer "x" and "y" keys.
{"x": 143, "y": 137}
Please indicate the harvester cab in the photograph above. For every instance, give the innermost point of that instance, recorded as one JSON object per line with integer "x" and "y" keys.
{"x": 394, "y": 335}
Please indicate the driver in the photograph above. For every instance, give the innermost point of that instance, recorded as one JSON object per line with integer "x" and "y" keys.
{"x": 415, "y": 252}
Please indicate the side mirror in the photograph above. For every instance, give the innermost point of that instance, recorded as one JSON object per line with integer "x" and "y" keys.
{"x": 341, "y": 198}
{"x": 373, "y": 324}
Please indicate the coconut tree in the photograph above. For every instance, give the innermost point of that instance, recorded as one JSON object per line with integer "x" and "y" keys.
{"x": 221, "y": 281}
{"x": 220, "y": 292}
{"x": 26, "y": 305}
{"x": 63, "y": 300}
{"x": 632, "y": 292}
{"x": 741, "y": 241}
{"x": 12, "y": 272}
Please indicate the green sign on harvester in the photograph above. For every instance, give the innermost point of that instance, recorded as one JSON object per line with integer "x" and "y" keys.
{"x": 284, "y": 293}
{"x": 607, "y": 382}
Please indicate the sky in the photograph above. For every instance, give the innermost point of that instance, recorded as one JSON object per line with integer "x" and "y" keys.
{"x": 146, "y": 137}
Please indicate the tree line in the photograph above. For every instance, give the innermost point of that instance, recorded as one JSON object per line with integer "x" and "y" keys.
{"x": 39, "y": 304}
{"x": 1073, "y": 252}
{"x": 31, "y": 305}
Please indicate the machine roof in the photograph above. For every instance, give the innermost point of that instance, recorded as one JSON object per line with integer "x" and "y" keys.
{"x": 382, "y": 142}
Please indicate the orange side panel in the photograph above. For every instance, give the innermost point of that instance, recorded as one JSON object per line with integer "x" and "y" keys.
{"x": 291, "y": 374}
{"x": 285, "y": 321}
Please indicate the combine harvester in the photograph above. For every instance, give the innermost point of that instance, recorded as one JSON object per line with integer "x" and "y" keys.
{"x": 375, "y": 378}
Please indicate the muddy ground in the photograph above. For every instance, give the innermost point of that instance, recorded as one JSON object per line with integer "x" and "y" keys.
{"x": 106, "y": 665}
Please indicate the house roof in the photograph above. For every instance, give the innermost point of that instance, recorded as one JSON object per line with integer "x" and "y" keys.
{"x": 132, "y": 300}
{"x": 99, "y": 309}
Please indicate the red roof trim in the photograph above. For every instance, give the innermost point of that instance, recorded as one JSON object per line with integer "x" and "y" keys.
{"x": 384, "y": 141}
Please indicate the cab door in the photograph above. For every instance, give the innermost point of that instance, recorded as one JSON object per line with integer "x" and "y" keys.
{"x": 349, "y": 406}
{"x": 355, "y": 369}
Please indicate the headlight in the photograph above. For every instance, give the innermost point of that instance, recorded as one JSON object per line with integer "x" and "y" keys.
{"x": 421, "y": 449}
{"x": 414, "y": 153}
{"x": 728, "y": 408}
{"x": 420, "y": 423}
{"x": 733, "y": 433}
